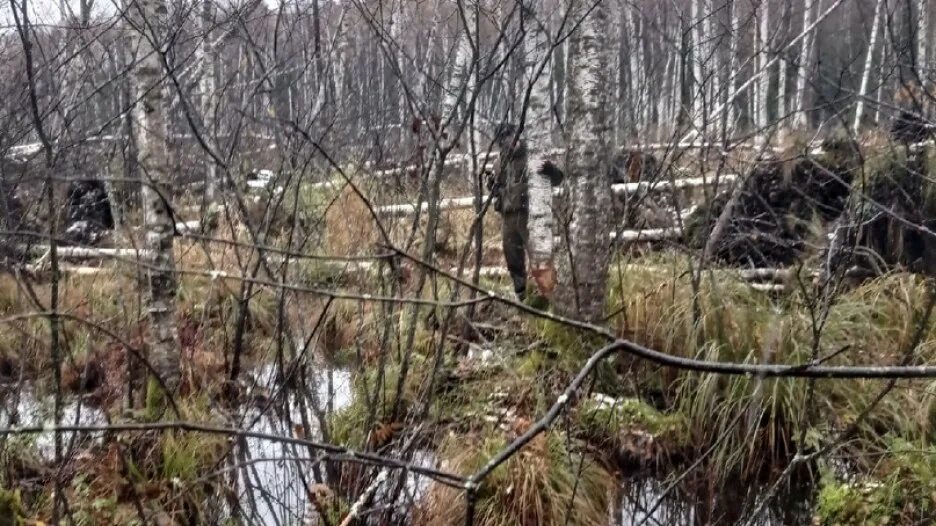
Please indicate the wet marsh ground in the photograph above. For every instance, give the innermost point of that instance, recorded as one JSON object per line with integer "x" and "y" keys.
{"x": 639, "y": 444}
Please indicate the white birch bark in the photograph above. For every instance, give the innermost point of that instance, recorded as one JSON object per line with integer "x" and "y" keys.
{"x": 397, "y": 23}
{"x": 153, "y": 156}
{"x": 800, "y": 119}
{"x": 712, "y": 57}
{"x": 752, "y": 79}
{"x": 731, "y": 81}
{"x": 869, "y": 60}
{"x": 922, "y": 26}
{"x": 667, "y": 100}
{"x": 583, "y": 281}
{"x": 538, "y": 127}
{"x": 341, "y": 60}
{"x": 208, "y": 83}
{"x": 782, "y": 67}
{"x": 698, "y": 70}
{"x": 455, "y": 92}
{"x": 764, "y": 63}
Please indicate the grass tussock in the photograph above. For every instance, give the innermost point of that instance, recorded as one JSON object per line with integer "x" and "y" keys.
{"x": 350, "y": 228}
{"x": 726, "y": 320}
{"x": 548, "y": 483}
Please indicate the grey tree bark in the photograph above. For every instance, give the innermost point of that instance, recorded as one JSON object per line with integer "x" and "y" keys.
{"x": 583, "y": 280}
{"x": 538, "y": 125}
{"x": 150, "y": 128}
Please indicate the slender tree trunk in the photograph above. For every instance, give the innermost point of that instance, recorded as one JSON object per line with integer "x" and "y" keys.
{"x": 869, "y": 61}
{"x": 583, "y": 281}
{"x": 698, "y": 66}
{"x": 731, "y": 80}
{"x": 538, "y": 127}
{"x": 782, "y": 66}
{"x": 713, "y": 63}
{"x": 763, "y": 53}
{"x": 208, "y": 97}
{"x": 153, "y": 158}
{"x": 454, "y": 93}
{"x": 921, "y": 38}
{"x": 801, "y": 119}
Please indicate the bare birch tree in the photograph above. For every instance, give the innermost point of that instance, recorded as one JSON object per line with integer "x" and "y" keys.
{"x": 583, "y": 280}
{"x": 148, "y": 19}
{"x": 539, "y": 127}
{"x": 869, "y": 61}
{"x": 800, "y": 118}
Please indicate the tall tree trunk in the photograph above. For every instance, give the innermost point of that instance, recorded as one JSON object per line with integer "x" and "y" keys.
{"x": 763, "y": 64}
{"x": 153, "y": 159}
{"x": 731, "y": 80}
{"x": 209, "y": 73}
{"x": 698, "y": 66}
{"x": 921, "y": 38}
{"x": 538, "y": 125}
{"x": 801, "y": 119}
{"x": 455, "y": 92}
{"x": 782, "y": 68}
{"x": 583, "y": 281}
{"x": 869, "y": 61}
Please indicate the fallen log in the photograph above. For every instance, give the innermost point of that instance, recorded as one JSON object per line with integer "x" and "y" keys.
{"x": 85, "y": 252}
{"x": 462, "y": 203}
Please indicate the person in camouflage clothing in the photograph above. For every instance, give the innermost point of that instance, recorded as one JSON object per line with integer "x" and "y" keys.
{"x": 509, "y": 188}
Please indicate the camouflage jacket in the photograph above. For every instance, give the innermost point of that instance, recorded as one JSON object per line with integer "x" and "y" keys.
{"x": 509, "y": 183}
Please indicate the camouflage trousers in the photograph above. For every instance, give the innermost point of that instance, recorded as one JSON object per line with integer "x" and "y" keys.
{"x": 515, "y": 236}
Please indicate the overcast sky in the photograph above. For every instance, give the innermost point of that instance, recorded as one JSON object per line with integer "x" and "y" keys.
{"x": 50, "y": 11}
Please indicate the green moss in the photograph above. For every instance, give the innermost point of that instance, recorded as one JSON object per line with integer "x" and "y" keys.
{"x": 186, "y": 455}
{"x": 156, "y": 400}
{"x": 841, "y": 503}
{"x": 11, "y": 508}
{"x": 606, "y": 420}
{"x": 628, "y": 412}
{"x": 318, "y": 273}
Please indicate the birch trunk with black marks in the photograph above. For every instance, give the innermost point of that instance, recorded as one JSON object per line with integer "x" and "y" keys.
{"x": 698, "y": 66}
{"x": 761, "y": 107}
{"x": 208, "y": 81}
{"x": 800, "y": 118}
{"x": 732, "y": 76}
{"x": 921, "y": 38}
{"x": 538, "y": 127}
{"x": 152, "y": 157}
{"x": 583, "y": 280}
{"x": 869, "y": 61}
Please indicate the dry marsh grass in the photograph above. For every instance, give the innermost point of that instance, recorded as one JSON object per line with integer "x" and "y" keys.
{"x": 726, "y": 320}
{"x": 538, "y": 486}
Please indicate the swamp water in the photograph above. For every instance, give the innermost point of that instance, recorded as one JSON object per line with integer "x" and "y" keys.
{"x": 273, "y": 479}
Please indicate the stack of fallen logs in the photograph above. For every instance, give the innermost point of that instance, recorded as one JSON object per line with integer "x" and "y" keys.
{"x": 832, "y": 209}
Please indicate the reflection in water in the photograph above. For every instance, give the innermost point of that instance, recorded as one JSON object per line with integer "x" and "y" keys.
{"x": 25, "y": 409}
{"x": 275, "y": 479}
{"x": 274, "y": 475}
{"x": 645, "y": 502}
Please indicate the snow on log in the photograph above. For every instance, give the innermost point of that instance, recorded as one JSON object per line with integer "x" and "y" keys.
{"x": 461, "y": 203}
{"x": 86, "y": 252}
{"x": 457, "y": 203}
{"x": 677, "y": 184}
{"x": 500, "y": 272}
{"x": 646, "y": 234}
